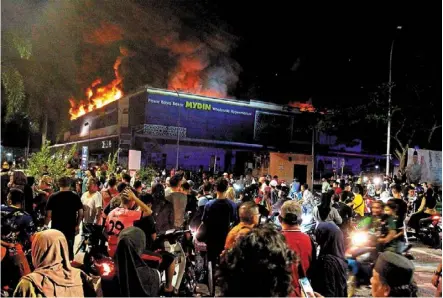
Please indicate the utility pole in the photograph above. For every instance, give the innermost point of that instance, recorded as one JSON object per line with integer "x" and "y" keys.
{"x": 390, "y": 85}
{"x": 313, "y": 159}
{"x": 178, "y": 131}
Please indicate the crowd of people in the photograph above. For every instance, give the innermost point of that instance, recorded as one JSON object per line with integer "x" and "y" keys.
{"x": 251, "y": 227}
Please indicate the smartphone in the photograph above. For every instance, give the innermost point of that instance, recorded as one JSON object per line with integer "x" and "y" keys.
{"x": 306, "y": 287}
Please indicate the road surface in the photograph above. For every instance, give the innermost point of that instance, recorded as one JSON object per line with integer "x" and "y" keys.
{"x": 426, "y": 262}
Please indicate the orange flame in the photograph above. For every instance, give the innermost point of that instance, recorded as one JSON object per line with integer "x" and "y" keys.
{"x": 98, "y": 96}
{"x": 303, "y": 107}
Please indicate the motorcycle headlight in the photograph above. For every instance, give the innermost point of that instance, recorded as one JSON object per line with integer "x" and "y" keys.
{"x": 237, "y": 187}
{"x": 359, "y": 238}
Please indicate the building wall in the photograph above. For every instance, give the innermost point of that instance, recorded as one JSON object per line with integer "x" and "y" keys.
{"x": 190, "y": 157}
{"x": 352, "y": 164}
{"x": 282, "y": 165}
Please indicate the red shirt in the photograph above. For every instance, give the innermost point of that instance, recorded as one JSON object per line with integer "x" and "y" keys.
{"x": 338, "y": 190}
{"x": 300, "y": 243}
{"x": 117, "y": 220}
{"x": 107, "y": 195}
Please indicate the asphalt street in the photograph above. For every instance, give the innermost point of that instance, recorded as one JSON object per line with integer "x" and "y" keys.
{"x": 426, "y": 261}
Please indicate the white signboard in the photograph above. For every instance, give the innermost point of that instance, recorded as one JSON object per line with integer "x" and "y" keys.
{"x": 426, "y": 167}
{"x": 135, "y": 158}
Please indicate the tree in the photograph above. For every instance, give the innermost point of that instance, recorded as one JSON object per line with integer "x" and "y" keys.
{"x": 147, "y": 174}
{"x": 34, "y": 88}
{"x": 112, "y": 161}
{"x": 415, "y": 119}
{"x": 55, "y": 161}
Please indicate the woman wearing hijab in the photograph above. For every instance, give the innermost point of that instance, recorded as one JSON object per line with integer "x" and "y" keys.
{"x": 324, "y": 212}
{"x": 133, "y": 278}
{"x": 53, "y": 275}
{"x": 329, "y": 272}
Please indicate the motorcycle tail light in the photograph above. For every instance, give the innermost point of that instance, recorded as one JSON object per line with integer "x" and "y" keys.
{"x": 105, "y": 268}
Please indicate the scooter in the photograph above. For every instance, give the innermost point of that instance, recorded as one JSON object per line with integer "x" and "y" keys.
{"x": 92, "y": 252}
{"x": 430, "y": 230}
{"x": 361, "y": 256}
{"x": 184, "y": 279}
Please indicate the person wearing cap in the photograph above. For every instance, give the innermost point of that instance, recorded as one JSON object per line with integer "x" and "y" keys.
{"x": 274, "y": 191}
{"x": 392, "y": 276}
{"x": 290, "y": 218}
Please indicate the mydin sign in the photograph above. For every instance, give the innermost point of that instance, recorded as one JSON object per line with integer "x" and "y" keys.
{"x": 202, "y": 119}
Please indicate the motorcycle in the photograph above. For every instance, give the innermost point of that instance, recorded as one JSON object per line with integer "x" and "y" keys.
{"x": 361, "y": 257}
{"x": 203, "y": 268}
{"x": 174, "y": 242}
{"x": 430, "y": 230}
{"x": 92, "y": 256}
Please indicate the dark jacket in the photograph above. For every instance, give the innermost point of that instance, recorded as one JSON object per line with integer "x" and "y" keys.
{"x": 163, "y": 213}
{"x": 330, "y": 269}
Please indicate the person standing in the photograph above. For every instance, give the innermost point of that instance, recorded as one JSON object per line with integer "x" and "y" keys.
{"x": 163, "y": 212}
{"x": 249, "y": 217}
{"x": 357, "y": 204}
{"x": 20, "y": 181}
{"x": 217, "y": 217}
{"x": 330, "y": 270}
{"x": 291, "y": 218}
{"x": 325, "y": 186}
{"x": 65, "y": 211}
{"x": 92, "y": 203}
{"x": 178, "y": 199}
{"x": 85, "y": 181}
{"x": 324, "y": 212}
{"x": 17, "y": 228}
{"x": 110, "y": 192}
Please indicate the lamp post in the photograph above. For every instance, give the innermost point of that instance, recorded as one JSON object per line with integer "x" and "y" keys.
{"x": 89, "y": 137}
{"x": 178, "y": 130}
{"x": 388, "y": 147}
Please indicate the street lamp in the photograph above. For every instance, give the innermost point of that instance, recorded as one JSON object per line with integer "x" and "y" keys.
{"x": 178, "y": 130}
{"x": 388, "y": 147}
{"x": 89, "y": 136}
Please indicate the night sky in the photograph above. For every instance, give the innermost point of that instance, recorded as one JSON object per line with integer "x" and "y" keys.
{"x": 333, "y": 53}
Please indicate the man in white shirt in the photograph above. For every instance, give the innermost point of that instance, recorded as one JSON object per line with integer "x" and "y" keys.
{"x": 92, "y": 203}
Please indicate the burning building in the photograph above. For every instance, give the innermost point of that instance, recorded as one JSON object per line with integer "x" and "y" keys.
{"x": 173, "y": 128}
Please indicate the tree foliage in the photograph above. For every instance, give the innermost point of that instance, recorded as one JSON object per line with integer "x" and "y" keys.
{"x": 55, "y": 161}
{"x": 112, "y": 161}
{"x": 147, "y": 174}
{"x": 12, "y": 80}
{"x": 415, "y": 118}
